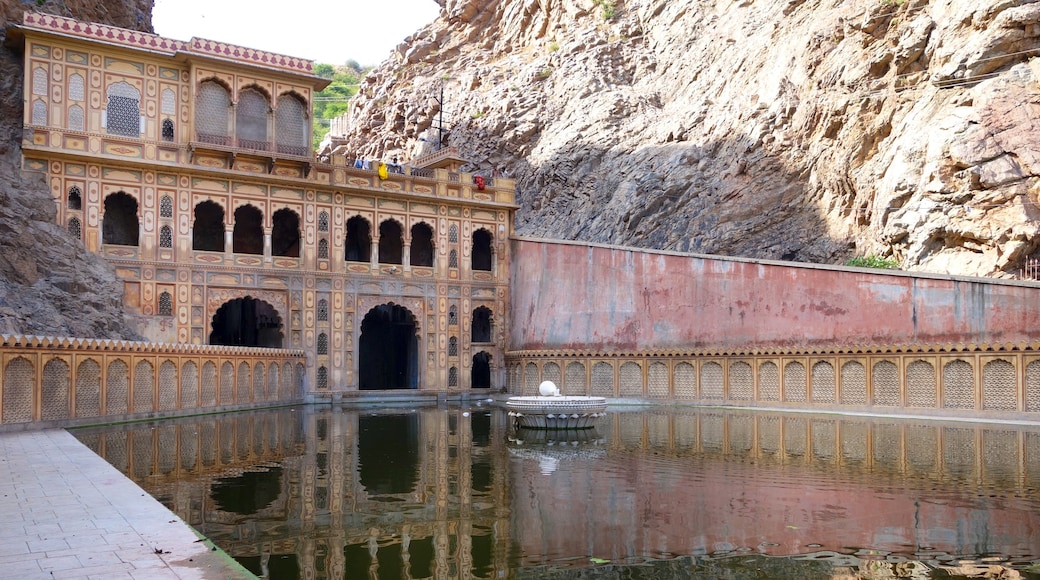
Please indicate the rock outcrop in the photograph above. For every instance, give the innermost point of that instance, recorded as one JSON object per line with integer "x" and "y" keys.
{"x": 806, "y": 130}
{"x": 49, "y": 283}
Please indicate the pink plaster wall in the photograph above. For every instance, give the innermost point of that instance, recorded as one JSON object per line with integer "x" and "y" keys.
{"x": 576, "y": 296}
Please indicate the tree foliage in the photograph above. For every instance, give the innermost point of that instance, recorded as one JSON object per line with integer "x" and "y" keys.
{"x": 334, "y": 100}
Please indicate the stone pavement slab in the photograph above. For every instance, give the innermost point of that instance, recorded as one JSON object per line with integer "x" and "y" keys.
{"x": 66, "y": 513}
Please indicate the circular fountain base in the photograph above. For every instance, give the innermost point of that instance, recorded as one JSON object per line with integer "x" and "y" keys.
{"x": 559, "y": 412}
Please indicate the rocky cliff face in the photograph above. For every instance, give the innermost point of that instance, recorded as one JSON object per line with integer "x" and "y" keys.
{"x": 49, "y": 283}
{"x": 808, "y": 130}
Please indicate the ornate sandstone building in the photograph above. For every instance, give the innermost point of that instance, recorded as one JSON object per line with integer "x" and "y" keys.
{"x": 188, "y": 165}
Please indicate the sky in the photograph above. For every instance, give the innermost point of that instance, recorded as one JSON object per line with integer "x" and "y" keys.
{"x": 325, "y": 31}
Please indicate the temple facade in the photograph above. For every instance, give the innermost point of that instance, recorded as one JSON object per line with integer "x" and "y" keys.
{"x": 189, "y": 166}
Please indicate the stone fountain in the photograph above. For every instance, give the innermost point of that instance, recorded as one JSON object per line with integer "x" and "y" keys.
{"x": 552, "y": 410}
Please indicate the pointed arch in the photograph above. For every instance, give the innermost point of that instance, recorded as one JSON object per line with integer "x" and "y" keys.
{"x": 212, "y": 113}
{"x": 481, "y": 372}
{"x": 358, "y": 246}
{"x": 248, "y": 236}
{"x": 481, "y": 325}
{"x": 292, "y": 128}
{"x": 422, "y": 245}
{"x": 208, "y": 229}
{"x": 389, "y": 349}
{"x": 123, "y": 111}
{"x": 251, "y": 118}
{"x": 285, "y": 233}
{"x": 481, "y": 254}
{"x": 246, "y": 321}
{"x": 391, "y": 242}
{"x": 120, "y": 225}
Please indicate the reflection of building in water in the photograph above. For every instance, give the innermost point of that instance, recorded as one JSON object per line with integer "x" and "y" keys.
{"x": 405, "y": 493}
{"x": 436, "y": 493}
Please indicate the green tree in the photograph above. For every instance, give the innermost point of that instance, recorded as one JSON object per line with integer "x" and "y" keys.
{"x": 334, "y": 100}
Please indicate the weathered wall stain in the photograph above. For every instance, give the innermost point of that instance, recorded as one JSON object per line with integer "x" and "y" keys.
{"x": 690, "y": 301}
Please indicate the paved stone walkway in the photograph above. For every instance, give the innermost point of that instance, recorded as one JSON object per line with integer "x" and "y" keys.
{"x": 66, "y": 513}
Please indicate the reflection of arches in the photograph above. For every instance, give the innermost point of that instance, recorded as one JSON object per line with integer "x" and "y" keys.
{"x": 390, "y": 242}
{"x": 481, "y": 257}
{"x": 422, "y": 245}
{"x": 389, "y": 349}
{"x": 249, "y": 231}
{"x": 208, "y": 231}
{"x": 358, "y": 246}
{"x": 480, "y": 376}
{"x": 481, "y": 327}
{"x": 120, "y": 225}
{"x": 247, "y": 322}
{"x": 285, "y": 234}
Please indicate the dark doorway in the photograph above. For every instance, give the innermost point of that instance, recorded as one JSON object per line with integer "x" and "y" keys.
{"x": 389, "y": 350}
{"x": 482, "y": 250}
{"x": 481, "y": 327}
{"x": 422, "y": 245}
{"x": 390, "y": 242}
{"x": 120, "y": 225}
{"x": 208, "y": 231}
{"x": 285, "y": 234}
{"x": 481, "y": 374}
{"x": 359, "y": 240}
{"x": 249, "y": 231}
{"x": 247, "y": 322}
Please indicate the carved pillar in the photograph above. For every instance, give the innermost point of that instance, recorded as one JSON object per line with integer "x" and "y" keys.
{"x": 267, "y": 244}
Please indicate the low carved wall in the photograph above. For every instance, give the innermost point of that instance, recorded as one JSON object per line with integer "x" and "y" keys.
{"x": 52, "y": 381}
{"x": 996, "y": 382}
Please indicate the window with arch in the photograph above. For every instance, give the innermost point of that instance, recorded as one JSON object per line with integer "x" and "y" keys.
{"x": 165, "y": 304}
{"x": 123, "y": 111}
{"x": 453, "y": 234}
{"x": 359, "y": 240}
{"x": 165, "y": 237}
{"x": 251, "y": 119}
{"x": 285, "y": 233}
{"x": 212, "y": 113}
{"x": 323, "y": 343}
{"x": 481, "y": 326}
{"x": 422, "y": 245}
{"x": 120, "y": 225}
{"x": 453, "y": 315}
{"x": 166, "y": 206}
{"x": 76, "y": 87}
{"x": 323, "y": 310}
{"x": 453, "y": 259}
{"x": 323, "y": 378}
{"x": 76, "y": 118}
{"x": 391, "y": 244}
{"x": 39, "y": 81}
{"x": 248, "y": 236}
{"x": 167, "y": 129}
{"x": 481, "y": 255}
{"x": 168, "y": 106}
{"x": 75, "y": 199}
{"x": 39, "y": 112}
{"x": 75, "y": 228}
{"x": 291, "y": 126}
{"x": 323, "y": 249}
{"x": 453, "y": 346}
{"x": 323, "y": 221}
{"x": 208, "y": 229}
{"x": 453, "y": 377}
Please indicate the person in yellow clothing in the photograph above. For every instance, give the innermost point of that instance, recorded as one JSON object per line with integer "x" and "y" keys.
{"x": 382, "y": 170}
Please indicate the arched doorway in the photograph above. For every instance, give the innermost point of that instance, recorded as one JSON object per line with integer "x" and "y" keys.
{"x": 480, "y": 376}
{"x": 388, "y": 353}
{"x": 247, "y": 322}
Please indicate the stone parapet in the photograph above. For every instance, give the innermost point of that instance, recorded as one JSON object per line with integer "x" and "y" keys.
{"x": 66, "y": 381}
{"x": 975, "y": 382}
